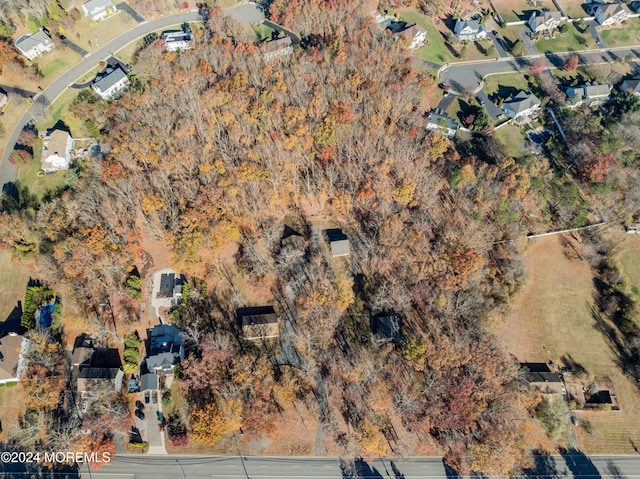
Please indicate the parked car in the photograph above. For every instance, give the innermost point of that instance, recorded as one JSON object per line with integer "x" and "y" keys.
{"x": 139, "y": 405}
{"x": 146, "y": 397}
{"x": 139, "y": 414}
{"x": 154, "y": 396}
{"x": 84, "y": 406}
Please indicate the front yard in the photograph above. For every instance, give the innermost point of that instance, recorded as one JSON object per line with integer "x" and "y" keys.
{"x": 519, "y": 10}
{"x": 627, "y": 34}
{"x": 505, "y": 85}
{"x": 570, "y": 41}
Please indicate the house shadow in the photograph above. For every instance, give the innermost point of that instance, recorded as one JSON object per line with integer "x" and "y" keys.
{"x": 450, "y": 472}
{"x": 61, "y": 125}
{"x": 524, "y": 15}
{"x": 12, "y": 323}
{"x": 358, "y": 468}
{"x": 579, "y": 464}
{"x": 575, "y": 367}
{"x": 505, "y": 92}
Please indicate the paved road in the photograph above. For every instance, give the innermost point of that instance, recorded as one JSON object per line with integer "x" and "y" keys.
{"x": 469, "y": 75}
{"x": 247, "y": 13}
{"x": 8, "y": 171}
{"x": 76, "y": 48}
{"x": 234, "y": 467}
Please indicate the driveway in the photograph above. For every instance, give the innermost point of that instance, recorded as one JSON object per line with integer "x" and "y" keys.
{"x": 76, "y": 48}
{"x": 17, "y": 91}
{"x": 124, "y": 7}
{"x": 526, "y": 40}
{"x": 446, "y": 101}
{"x": 499, "y": 44}
{"x": 247, "y": 13}
{"x": 295, "y": 39}
{"x": 149, "y": 427}
{"x": 596, "y": 35}
{"x": 493, "y": 111}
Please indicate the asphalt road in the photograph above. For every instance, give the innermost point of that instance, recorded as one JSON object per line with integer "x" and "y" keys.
{"x": 8, "y": 171}
{"x": 233, "y": 467}
{"x": 468, "y": 75}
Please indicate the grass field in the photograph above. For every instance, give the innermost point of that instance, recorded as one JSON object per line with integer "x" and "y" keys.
{"x": 570, "y": 41}
{"x": 93, "y": 35}
{"x": 505, "y": 85}
{"x": 435, "y": 50}
{"x": 512, "y": 140}
{"x": 518, "y": 10}
{"x": 551, "y": 317}
{"x": 572, "y": 8}
{"x": 629, "y": 260}
{"x": 56, "y": 62}
{"x": 627, "y": 34}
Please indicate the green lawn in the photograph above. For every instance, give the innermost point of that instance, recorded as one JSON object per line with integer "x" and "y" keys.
{"x": 627, "y": 34}
{"x": 512, "y": 139}
{"x": 435, "y": 50}
{"x": 572, "y": 8}
{"x": 39, "y": 185}
{"x": 505, "y": 85}
{"x": 263, "y": 32}
{"x": 518, "y": 10}
{"x": 570, "y": 41}
{"x": 629, "y": 259}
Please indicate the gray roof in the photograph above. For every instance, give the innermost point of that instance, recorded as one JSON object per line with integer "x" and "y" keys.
{"x": 540, "y": 373}
{"x": 474, "y": 25}
{"x": 149, "y": 381}
{"x": 27, "y": 42}
{"x": 588, "y": 90}
{"x": 440, "y": 118}
{"x": 165, "y": 346}
{"x": 521, "y": 102}
{"x": 108, "y": 78}
{"x": 610, "y": 9}
{"x": 544, "y": 17}
{"x": 632, "y": 84}
{"x": 179, "y": 36}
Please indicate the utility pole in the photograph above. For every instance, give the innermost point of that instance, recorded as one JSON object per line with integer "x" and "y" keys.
{"x": 235, "y": 439}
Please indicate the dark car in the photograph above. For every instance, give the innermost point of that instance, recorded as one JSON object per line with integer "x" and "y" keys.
{"x": 154, "y": 396}
{"x": 139, "y": 414}
{"x": 139, "y": 405}
{"x": 146, "y": 397}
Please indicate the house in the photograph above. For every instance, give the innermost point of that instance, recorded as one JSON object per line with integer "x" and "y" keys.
{"x": 99, "y": 372}
{"x": 540, "y": 377}
{"x": 632, "y": 85}
{"x": 276, "y": 48}
{"x": 12, "y": 363}
{"x": 32, "y": 46}
{"x": 439, "y": 121}
{"x": 591, "y": 94}
{"x": 171, "y": 286}
{"x": 3, "y": 98}
{"x": 174, "y": 41}
{"x": 522, "y": 105}
{"x": 466, "y": 30}
{"x": 111, "y": 82}
{"x": 258, "y": 322}
{"x": 82, "y": 351}
{"x": 611, "y": 13}
{"x": 414, "y": 34}
{"x": 56, "y": 151}
{"x": 98, "y": 9}
{"x": 545, "y": 21}
{"x": 149, "y": 382}
{"x": 339, "y": 243}
{"x": 165, "y": 348}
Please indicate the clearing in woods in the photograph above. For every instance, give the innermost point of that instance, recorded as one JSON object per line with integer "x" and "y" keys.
{"x": 551, "y": 318}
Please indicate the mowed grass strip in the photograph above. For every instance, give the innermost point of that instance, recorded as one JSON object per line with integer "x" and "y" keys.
{"x": 551, "y": 317}
{"x": 570, "y": 41}
{"x": 626, "y": 34}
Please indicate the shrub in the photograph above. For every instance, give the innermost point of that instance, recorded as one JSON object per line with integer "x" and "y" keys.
{"x": 134, "y": 287}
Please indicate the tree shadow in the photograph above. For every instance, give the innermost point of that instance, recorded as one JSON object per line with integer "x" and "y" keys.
{"x": 579, "y": 464}
{"x": 358, "y": 469}
{"x": 396, "y": 472}
{"x": 613, "y": 470}
{"x": 575, "y": 367}
{"x": 543, "y": 465}
{"x": 450, "y": 472}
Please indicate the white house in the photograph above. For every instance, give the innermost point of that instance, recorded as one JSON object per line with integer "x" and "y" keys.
{"x": 414, "y": 34}
{"x": 12, "y": 363}
{"x": 276, "y": 48}
{"x": 466, "y": 30}
{"x": 439, "y": 121}
{"x": 98, "y": 9}
{"x": 611, "y": 13}
{"x": 174, "y": 41}
{"x": 32, "y": 46}
{"x": 521, "y": 105}
{"x": 3, "y": 98}
{"x": 110, "y": 83}
{"x": 545, "y": 21}
{"x": 588, "y": 94}
{"x": 56, "y": 151}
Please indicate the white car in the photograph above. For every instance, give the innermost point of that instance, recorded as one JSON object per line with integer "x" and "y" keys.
{"x": 84, "y": 406}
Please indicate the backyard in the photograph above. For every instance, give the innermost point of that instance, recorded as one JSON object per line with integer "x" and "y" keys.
{"x": 505, "y": 85}
{"x": 512, "y": 139}
{"x": 627, "y": 34}
{"x": 572, "y": 9}
{"x": 552, "y": 319}
{"x": 519, "y": 10}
